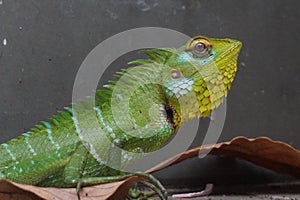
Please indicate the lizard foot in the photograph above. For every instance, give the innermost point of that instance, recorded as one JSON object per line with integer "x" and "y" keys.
{"x": 140, "y": 194}
{"x": 152, "y": 183}
{"x": 147, "y": 179}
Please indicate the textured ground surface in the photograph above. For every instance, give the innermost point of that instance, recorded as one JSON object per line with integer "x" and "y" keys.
{"x": 279, "y": 191}
{"x": 247, "y": 197}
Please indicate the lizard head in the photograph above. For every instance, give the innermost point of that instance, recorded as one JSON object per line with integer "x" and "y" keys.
{"x": 198, "y": 76}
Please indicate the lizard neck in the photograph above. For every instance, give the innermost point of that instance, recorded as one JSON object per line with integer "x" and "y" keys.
{"x": 207, "y": 93}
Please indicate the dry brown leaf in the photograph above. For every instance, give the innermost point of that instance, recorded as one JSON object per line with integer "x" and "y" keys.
{"x": 115, "y": 190}
{"x": 263, "y": 151}
{"x": 274, "y": 155}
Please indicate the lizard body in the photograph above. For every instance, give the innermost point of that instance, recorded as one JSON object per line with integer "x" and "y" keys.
{"x": 183, "y": 84}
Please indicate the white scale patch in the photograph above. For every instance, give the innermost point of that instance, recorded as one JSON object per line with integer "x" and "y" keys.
{"x": 120, "y": 97}
{"x": 75, "y": 121}
{"x": 180, "y": 87}
{"x": 117, "y": 141}
{"x": 28, "y": 144}
{"x": 9, "y": 151}
{"x": 11, "y": 155}
{"x": 109, "y": 129}
{"x": 139, "y": 150}
{"x": 95, "y": 155}
{"x": 99, "y": 114}
{"x": 100, "y": 117}
{"x": 126, "y": 156}
{"x": 113, "y": 135}
{"x": 188, "y": 57}
{"x": 49, "y": 131}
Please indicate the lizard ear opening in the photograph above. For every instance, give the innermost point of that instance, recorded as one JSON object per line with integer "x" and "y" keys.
{"x": 175, "y": 74}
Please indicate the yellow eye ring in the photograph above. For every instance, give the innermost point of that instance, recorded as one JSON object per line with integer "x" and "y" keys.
{"x": 200, "y": 47}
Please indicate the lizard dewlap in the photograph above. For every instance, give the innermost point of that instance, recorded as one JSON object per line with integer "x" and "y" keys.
{"x": 140, "y": 112}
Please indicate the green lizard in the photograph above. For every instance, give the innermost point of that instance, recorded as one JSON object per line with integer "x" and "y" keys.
{"x": 180, "y": 84}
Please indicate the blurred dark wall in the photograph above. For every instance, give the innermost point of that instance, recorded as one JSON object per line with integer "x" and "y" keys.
{"x": 46, "y": 41}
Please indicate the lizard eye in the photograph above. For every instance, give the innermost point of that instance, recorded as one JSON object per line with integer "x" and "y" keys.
{"x": 175, "y": 74}
{"x": 199, "y": 47}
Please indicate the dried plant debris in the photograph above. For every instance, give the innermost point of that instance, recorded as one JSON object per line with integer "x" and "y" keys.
{"x": 115, "y": 190}
{"x": 263, "y": 151}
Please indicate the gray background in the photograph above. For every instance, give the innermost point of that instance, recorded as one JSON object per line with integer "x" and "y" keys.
{"x": 48, "y": 40}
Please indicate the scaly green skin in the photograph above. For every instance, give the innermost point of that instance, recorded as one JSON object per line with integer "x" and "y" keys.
{"x": 183, "y": 85}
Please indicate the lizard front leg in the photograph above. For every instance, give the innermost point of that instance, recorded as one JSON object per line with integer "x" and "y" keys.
{"x": 73, "y": 174}
{"x": 149, "y": 181}
{"x": 74, "y": 168}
